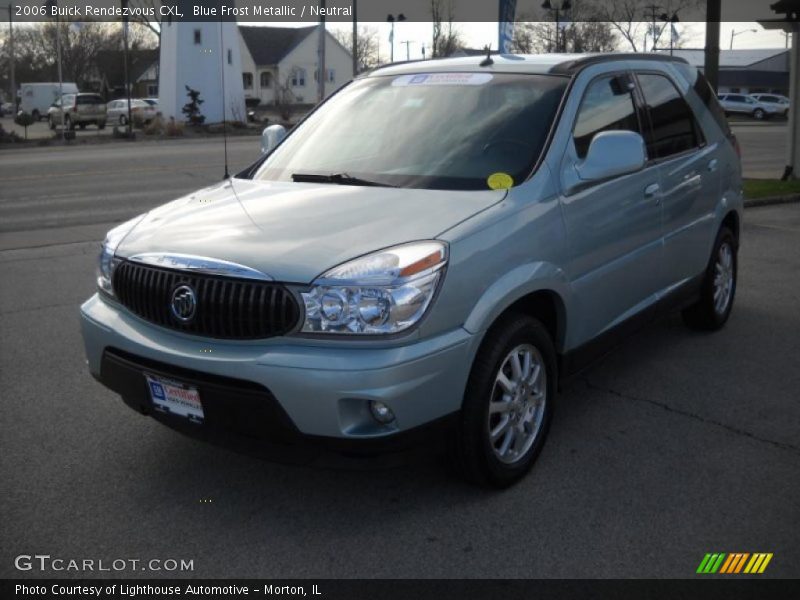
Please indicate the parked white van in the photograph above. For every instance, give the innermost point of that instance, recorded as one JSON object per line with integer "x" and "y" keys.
{"x": 36, "y": 98}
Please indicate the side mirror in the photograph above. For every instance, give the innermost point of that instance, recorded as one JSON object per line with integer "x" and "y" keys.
{"x": 271, "y": 137}
{"x": 612, "y": 153}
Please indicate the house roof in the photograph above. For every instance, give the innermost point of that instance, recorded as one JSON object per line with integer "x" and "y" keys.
{"x": 729, "y": 59}
{"x": 111, "y": 66}
{"x": 269, "y": 45}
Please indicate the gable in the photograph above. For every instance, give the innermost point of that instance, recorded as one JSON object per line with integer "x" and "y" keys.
{"x": 269, "y": 45}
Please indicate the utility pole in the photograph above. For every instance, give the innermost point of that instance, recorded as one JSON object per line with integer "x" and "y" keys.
{"x": 13, "y": 89}
{"x": 61, "y": 81}
{"x": 711, "y": 62}
{"x": 653, "y": 10}
{"x": 355, "y": 39}
{"x": 124, "y": 4}
{"x": 321, "y": 54}
{"x": 408, "y": 50}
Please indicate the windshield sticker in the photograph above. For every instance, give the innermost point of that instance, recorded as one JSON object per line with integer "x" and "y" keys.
{"x": 442, "y": 79}
{"x": 500, "y": 181}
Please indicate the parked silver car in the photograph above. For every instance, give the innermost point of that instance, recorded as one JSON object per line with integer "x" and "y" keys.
{"x": 775, "y": 101}
{"x": 427, "y": 254}
{"x": 746, "y": 105}
{"x": 118, "y": 110}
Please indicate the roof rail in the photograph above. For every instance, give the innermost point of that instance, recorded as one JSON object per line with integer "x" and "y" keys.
{"x": 572, "y": 67}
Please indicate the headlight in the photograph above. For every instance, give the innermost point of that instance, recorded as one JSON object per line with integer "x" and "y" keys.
{"x": 381, "y": 293}
{"x": 106, "y": 262}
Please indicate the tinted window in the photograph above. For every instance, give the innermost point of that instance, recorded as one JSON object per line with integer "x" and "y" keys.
{"x": 673, "y": 129}
{"x": 607, "y": 105}
{"x": 90, "y": 99}
{"x": 703, "y": 89}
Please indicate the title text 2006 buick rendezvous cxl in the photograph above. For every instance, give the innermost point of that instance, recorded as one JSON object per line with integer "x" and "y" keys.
{"x": 428, "y": 251}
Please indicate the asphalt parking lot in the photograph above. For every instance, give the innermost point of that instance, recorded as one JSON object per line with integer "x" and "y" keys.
{"x": 675, "y": 445}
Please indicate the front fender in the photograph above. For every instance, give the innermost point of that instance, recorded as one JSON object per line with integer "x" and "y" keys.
{"x": 516, "y": 284}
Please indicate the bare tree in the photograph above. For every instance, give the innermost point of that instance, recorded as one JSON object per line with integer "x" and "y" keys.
{"x": 284, "y": 96}
{"x": 446, "y": 37}
{"x": 581, "y": 34}
{"x": 36, "y": 54}
{"x": 366, "y": 47}
{"x": 633, "y": 19}
{"x": 153, "y": 23}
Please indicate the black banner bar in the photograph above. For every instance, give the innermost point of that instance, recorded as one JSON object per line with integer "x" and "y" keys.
{"x": 705, "y": 587}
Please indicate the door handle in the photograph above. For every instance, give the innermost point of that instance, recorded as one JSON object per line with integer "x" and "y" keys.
{"x": 712, "y": 164}
{"x": 651, "y": 191}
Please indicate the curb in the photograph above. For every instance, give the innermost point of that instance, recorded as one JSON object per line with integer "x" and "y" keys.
{"x": 771, "y": 200}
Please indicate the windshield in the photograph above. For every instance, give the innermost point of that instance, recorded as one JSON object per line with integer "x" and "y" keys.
{"x": 434, "y": 131}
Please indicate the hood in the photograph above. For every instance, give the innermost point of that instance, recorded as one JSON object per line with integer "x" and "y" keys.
{"x": 296, "y": 231}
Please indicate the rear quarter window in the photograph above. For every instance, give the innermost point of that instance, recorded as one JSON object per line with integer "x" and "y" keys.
{"x": 704, "y": 91}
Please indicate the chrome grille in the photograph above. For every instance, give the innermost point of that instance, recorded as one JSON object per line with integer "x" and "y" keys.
{"x": 227, "y": 308}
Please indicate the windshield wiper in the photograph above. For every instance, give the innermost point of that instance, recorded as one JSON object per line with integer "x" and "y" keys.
{"x": 337, "y": 178}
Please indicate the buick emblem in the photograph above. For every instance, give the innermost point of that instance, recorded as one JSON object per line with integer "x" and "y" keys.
{"x": 183, "y": 304}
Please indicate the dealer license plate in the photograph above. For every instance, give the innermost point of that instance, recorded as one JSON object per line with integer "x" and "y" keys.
{"x": 175, "y": 398}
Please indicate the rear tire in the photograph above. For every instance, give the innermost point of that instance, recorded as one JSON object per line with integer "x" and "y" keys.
{"x": 718, "y": 289}
{"x": 123, "y": 120}
{"x": 36, "y": 115}
{"x": 508, "y": 403}
{"x": 51, "y": 122}
{"x": 82, "y": 126}
{"x": 101, "y": 125}
{"x": 68, "y": 123}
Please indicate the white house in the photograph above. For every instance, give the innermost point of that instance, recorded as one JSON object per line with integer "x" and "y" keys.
{"x": 286, "y": 56}
{"x": 201, "y": 55}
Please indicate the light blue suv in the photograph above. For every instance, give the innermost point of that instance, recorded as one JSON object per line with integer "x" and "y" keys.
{"x": 426, "y": 255}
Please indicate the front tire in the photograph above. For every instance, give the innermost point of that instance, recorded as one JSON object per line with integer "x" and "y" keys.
{"x": 759, "y": 114}
{"x": 712, "y": 310}
{"x": 68, "y": 123}
{"x": 508, "y": 403}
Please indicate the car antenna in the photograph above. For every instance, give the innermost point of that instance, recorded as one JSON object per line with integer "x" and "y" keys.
{"x": 488, "y": 60}
{"x": 224, "y": 114}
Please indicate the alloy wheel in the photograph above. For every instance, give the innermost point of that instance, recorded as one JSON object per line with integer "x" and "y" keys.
{"x": 517, "y": 404}
{"x": 723, "y": 278}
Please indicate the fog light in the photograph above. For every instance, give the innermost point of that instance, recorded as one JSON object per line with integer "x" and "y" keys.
{"x": 380, "y": 412}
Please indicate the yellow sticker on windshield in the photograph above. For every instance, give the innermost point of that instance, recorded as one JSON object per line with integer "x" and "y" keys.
{"x": 500, "y": 181}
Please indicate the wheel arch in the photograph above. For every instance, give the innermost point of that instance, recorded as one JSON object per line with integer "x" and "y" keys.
{"x": 545, "y": 299}
{"x": 733, "y": 222}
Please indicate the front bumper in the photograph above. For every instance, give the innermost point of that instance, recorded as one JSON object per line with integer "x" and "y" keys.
{"x": 312, "y": 389}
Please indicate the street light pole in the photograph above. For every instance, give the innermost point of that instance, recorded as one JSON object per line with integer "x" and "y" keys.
{"x": 734, "y": 33}
{"x": 391, "y": 19}
{"x": 564, "y": 6}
